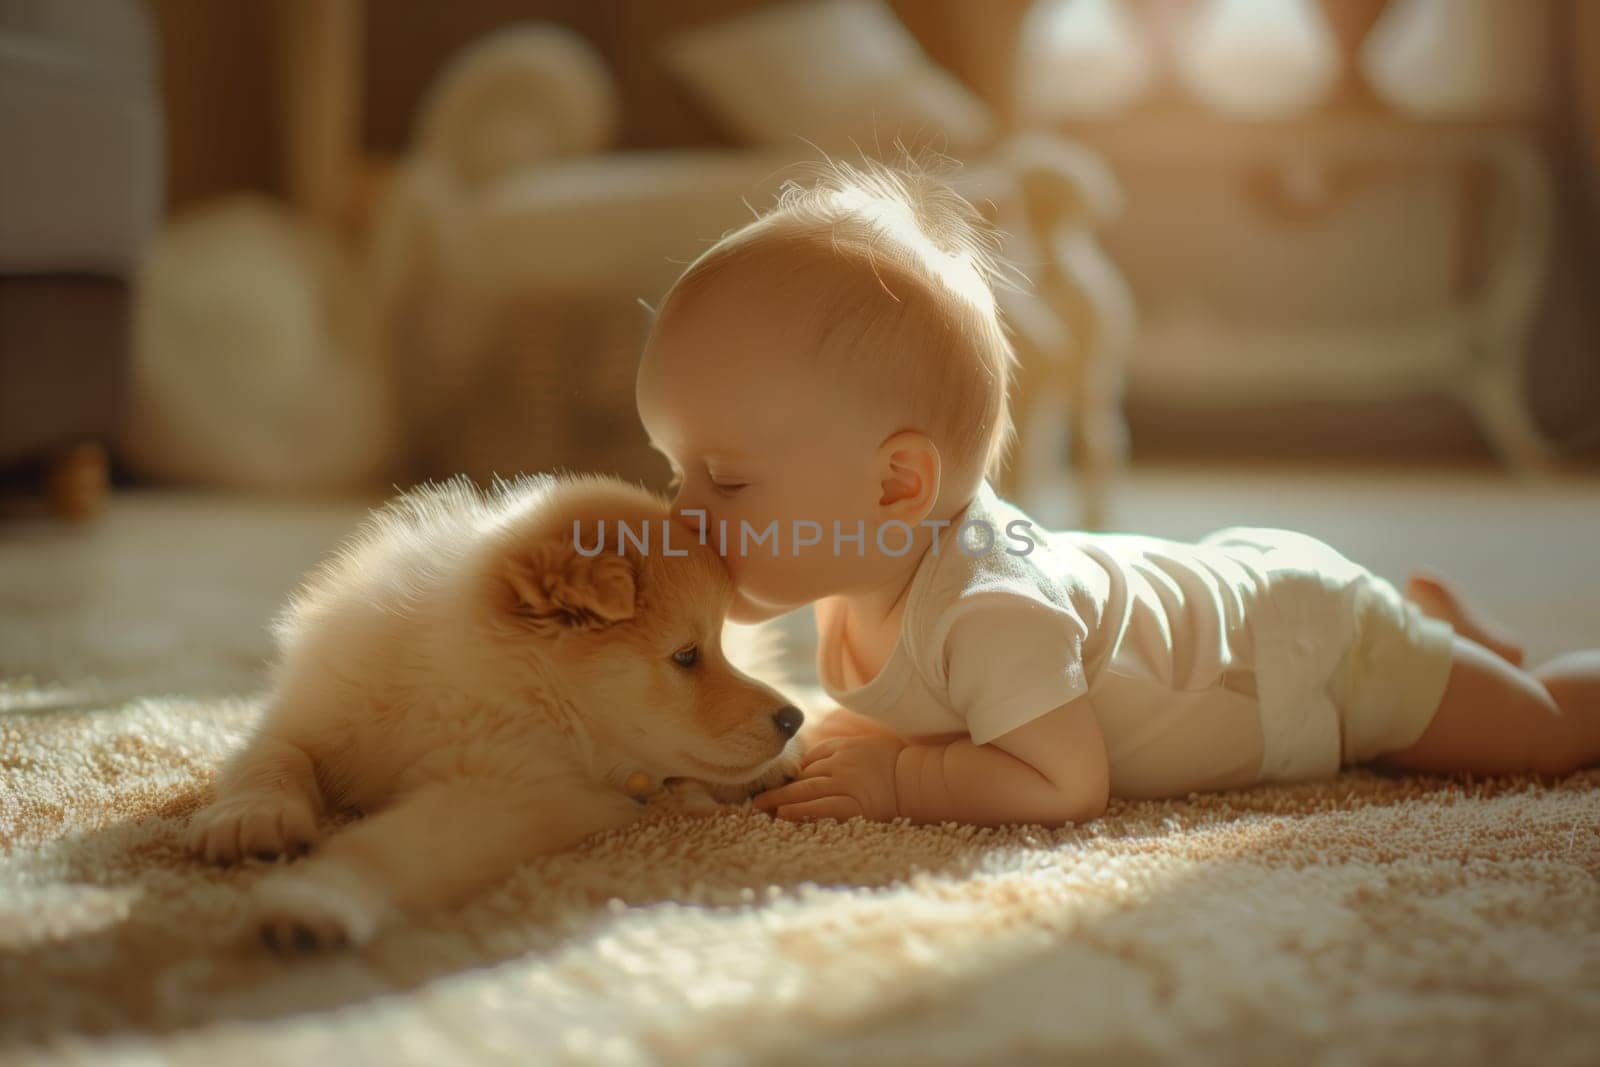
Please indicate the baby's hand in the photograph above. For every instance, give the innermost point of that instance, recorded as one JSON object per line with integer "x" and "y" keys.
{"x": 841, "y": 778}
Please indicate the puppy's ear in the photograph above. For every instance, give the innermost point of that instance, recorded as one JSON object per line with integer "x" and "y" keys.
{"x": 556, "y": 583}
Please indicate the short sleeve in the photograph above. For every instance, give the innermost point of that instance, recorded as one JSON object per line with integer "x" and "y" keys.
{"x": 1010, "y": 659}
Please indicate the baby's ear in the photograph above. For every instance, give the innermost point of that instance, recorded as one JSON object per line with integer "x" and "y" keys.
{"x": 554, "y": 582}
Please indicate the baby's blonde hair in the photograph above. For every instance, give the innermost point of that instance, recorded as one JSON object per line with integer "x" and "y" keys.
{"x": 900, "y": 273}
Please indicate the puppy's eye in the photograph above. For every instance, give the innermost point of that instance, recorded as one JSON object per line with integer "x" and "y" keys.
{"x": 728, "y": 488}
{"x": 687, "y": 657}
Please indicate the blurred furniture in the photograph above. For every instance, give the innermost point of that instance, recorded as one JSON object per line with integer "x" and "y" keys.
{"x": 80, "y": 190}
{"x": 254, "y": 362}
{"x": 1462, "y": 59}
{"x": 514, "y": 256}
{"x": 1585, "y": 44}
{"x": 501, "y": 270}
{"x": 1072, "y": 316}
{"x": 1388, "y": 238}
{"x": 1466, "y": 207}
{"x": 224, "y": 65}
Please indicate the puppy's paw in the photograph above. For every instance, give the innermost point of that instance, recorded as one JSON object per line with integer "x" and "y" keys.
{"x": 689, "y": 796}
{"x": 264, "y": 825}
{"x": 783, "y": 769}
{"x": 310, "y": 909}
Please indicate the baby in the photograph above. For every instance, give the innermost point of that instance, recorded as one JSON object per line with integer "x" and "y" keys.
{"x": 829, "y": 385}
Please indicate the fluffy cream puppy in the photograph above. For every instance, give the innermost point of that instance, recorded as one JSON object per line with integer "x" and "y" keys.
{"x": 488, "y": 677}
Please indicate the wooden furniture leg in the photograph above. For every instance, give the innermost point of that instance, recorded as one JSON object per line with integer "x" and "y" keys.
{"x": 78, "y": 479}
{"x": 319, "y": 104}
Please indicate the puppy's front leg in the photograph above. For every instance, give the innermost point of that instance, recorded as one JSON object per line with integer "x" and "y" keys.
{"x": 267, "y": 805}
{"x": 434, "y": 847}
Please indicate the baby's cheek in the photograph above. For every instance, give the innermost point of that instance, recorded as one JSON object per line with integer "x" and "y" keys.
{"x": 746, "y": 573}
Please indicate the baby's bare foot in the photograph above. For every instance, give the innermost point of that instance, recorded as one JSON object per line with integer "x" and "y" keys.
{"x": 1439, "y": 599}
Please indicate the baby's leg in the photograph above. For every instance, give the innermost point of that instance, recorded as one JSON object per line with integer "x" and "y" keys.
{"x": 267, "y": 805}
{"x": 1440, "y": 599}
{"x": 1573, "y": 681}
{"x": 1495, "y": 718}
{"x": 434, "y": 847}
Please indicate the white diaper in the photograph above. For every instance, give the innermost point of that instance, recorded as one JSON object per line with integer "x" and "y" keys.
{"x": 1346, "y": 669}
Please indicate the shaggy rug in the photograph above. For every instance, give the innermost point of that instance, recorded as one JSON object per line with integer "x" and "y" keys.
{"x": 1367, "y": 919}
{"x": 1363, "y": 920}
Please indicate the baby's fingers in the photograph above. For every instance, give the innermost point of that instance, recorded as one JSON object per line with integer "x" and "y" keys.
{"x": 795, "y": 792}
{"x": 823, "y": 749}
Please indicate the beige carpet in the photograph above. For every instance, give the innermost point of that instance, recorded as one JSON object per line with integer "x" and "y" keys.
{"x": 1367, "y": 919}
{"x": 1386, "y": 921}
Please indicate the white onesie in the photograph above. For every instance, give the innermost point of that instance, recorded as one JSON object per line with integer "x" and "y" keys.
{"x": 1253, "y": 655}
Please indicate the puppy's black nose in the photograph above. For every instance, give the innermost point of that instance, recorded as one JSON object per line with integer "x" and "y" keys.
{"x": 788, "y": 720}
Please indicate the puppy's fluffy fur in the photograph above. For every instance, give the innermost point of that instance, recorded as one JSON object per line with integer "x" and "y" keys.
{"x": 485, "y": 692}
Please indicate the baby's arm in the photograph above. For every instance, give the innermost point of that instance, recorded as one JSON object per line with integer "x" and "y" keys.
{"x": 1052, "y": 770}
{"x": 1003, "y": 656}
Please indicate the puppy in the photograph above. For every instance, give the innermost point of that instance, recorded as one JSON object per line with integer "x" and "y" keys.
{"x": 489, "y": 677}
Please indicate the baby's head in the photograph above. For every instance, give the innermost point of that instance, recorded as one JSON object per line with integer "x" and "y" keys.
{"x": 839, "y": 360}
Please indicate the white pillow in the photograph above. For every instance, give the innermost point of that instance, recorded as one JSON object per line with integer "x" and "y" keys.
{"x": 845, "y": 74}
